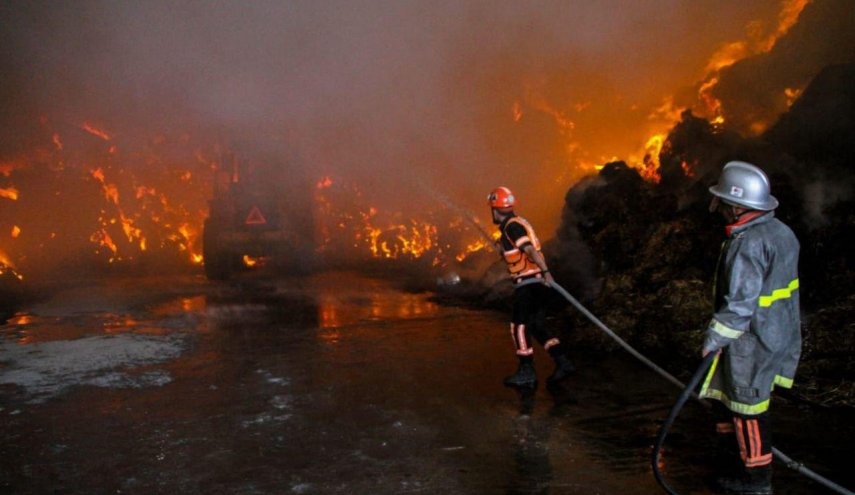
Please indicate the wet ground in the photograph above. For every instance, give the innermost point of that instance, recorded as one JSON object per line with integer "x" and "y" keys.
{"x": 335, "y": 384}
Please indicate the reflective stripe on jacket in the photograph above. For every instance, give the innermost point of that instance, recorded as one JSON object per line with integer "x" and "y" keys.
{"x": 757, "y": 319}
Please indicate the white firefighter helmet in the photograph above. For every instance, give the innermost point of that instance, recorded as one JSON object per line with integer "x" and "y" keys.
{"x": 744, "y": 184}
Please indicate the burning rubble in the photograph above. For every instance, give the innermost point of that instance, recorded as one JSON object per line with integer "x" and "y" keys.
{"x": 656, "y": 244}
{"x": 110, "y": 167}
{"x": 351, "y": 230}
{"x": 754, "y": 91}
{"x": 85, "y": 201}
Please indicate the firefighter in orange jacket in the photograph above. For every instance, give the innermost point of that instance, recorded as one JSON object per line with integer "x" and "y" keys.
{"x": 528, "y": 269}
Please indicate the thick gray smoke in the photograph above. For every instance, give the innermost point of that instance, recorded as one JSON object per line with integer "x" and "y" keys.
{"x": 380, "y": 93}
{"x": 396, "y": 98}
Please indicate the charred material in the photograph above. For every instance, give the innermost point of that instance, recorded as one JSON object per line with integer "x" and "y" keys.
{"x": 655, "y": 244}
{"x": 11, "y": 292}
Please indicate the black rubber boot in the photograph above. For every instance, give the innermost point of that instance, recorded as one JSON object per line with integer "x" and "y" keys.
{"x": 754, "y": 481}
{"x": 525, "y": 377}
{"x": 726, "y": 461}
{"x": 563, "y": 369}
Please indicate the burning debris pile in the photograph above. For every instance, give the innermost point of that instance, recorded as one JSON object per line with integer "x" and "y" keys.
{"x": 657, "y": 245}
{"x": 82, "y": 200}
{"x": 351, "y": 231}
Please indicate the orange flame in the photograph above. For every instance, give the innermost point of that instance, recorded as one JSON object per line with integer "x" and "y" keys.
{"x": 6, "y": 265}
{"x": 9, "y": 193}
{"x": 132, "y": 217}
{"x": 651, "y": 158}
{"x": 687, "y": 169}
{"x": 95, "y": 131}
{"x": 757, "y": 42}
{"x": 4, "y": 259}
{"x": 792, "y": 95}
{"x": 540, "y": 104}
{"x": 324, "y": 183}
{"x": 516, "y": 111}
{"x": 474, "y": 247}
{"x": 103, "y": 239}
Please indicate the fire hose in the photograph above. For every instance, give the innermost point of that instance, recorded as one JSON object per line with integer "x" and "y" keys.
{"x": 687, "y": 390}
{"x": 684, "y": 396}
{"x": 663, "y": 430}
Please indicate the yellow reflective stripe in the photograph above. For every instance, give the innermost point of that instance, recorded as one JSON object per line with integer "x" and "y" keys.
{"x": 737, "y": 407}
{"x": 712, "y": 393}
{"x": 724, "y": 330}
{"x": 782, "y": 381}
{"x": 705, "y": 387}
{"x": 746, "y": 408}
{"x": 786, "y": 292}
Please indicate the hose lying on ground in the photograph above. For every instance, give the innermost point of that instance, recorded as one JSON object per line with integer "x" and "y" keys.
{"x": 687, "y": 391}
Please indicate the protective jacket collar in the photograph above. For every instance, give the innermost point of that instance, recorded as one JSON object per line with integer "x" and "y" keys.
{"x": 747, "y": 220}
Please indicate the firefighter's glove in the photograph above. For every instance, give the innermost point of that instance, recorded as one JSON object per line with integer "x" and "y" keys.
{"x": 548, "y": 280}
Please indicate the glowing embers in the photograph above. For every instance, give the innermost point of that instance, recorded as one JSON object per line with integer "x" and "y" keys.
{"x": 8, "y": 271}
{"x": 348, "y": 229}
{"x": 72, "y": 197}
{"x": 148, "y": 214}
{"x": 7, "y": 268}
{"x": 9, "y": 193}
{"x": 412, "y": 240}
{"x": 479, "y": 245}
{"x": 688, "y": 169}
{"x": 759, "y": 39}
{"x": 102, "y": 236}
{"x": 91, "y": 129}
{"x": 254, "y": 261}
{"x": 650, "y": 167}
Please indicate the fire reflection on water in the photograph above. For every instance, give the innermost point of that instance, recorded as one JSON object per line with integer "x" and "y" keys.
{"x": 334, "y": 312}
{"x": 161, "y": 319}
{"x": 339, "y": 309}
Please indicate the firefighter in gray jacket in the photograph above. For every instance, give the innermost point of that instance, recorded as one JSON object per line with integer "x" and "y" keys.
{"x": 756, "y": 326}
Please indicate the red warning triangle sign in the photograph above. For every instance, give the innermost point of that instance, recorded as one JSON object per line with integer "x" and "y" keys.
{"x": 255, "y": 217}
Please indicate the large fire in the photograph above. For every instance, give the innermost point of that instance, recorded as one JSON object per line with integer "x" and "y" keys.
{"x": 126, "y": 205}
{"x": 132, "y": 206}
{"x": 758, "y": 39}
{"x": 93, "y": 191}
{"x": 347, "y": 223}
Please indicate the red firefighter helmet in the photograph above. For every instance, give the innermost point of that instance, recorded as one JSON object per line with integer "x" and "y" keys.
{"x": 501, "y": 197}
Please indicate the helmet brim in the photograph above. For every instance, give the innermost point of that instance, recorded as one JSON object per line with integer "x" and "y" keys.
{"x": 770, "y": 204}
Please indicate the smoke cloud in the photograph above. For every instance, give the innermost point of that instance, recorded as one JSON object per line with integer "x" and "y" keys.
{"x": 405, "y": 90}
{"x": 398, "y": 98}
